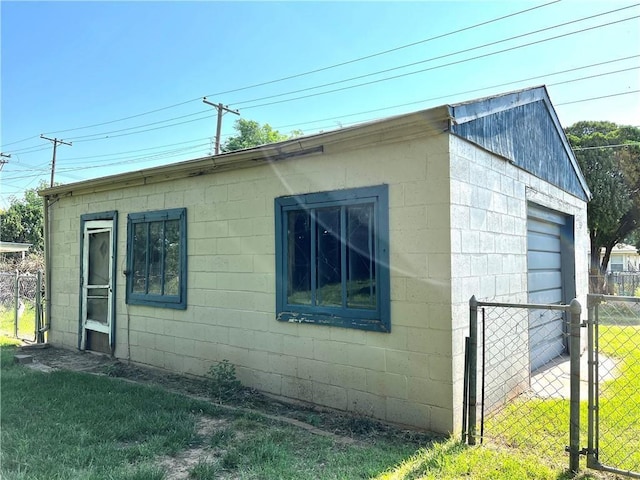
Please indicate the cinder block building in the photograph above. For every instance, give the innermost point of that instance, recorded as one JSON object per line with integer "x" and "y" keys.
{"x": 334, "y": 268}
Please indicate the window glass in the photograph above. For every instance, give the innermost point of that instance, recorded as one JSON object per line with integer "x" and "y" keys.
{"x": 332, "y": 262}
{"x": 157, "y": 258}
{"x": 139, "y": 270}
{"x": 361, "y": 280}
{"x": 328, "y": 259}
{"x": 299, "y": 262}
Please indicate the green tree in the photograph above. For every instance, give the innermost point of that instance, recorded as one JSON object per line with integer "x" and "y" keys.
{"x": 251, "y": 134}
{"x": 609, "y": 155}
{"x": 23, "y": 221}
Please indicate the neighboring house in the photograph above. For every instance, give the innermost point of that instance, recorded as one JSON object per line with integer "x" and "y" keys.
{"x": 624, "y": 258}
{"x": 334, "y": 268}
{"x": 14, "y": 247}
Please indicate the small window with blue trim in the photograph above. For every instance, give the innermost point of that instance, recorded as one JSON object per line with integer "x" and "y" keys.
{"x": 332, "y": 258}
{"x": 157, "y": 258}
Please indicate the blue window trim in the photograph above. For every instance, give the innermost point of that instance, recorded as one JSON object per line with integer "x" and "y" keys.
{"x": 375, "y": 320}
{"x": 179, "y": 301}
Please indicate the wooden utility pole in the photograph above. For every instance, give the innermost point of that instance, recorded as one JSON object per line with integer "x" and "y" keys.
{"x": 2, "y": 159}
{"x": 53, "y": 161}
{"x": 221, "y": 109}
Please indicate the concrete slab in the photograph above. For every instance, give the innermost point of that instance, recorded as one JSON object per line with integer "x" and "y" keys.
{"x": 553, "y": 379}
{"x": 23, "y": 359}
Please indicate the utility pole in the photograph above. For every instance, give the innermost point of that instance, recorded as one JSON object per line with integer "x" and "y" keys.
{"x": 221, "y": 109}
{"x": 2, "y": 159}
{"x": 53, "y": 161}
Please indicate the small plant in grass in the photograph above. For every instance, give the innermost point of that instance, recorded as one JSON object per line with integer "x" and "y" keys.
{"x": 205, "y": 471}
{"x": 222, "y": 381}
{"x": 115, "y": 369}
{"x": 221, "y": 437}
{"x": 231, "y": 460}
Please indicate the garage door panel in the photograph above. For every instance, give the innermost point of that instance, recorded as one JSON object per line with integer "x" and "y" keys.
{"x": 543, "y": 228}
{"x": 543, "y": 280}
{"x": 543, "y": 243}
{"x": 544, "y": 261}
{"x": 545, "y": 284}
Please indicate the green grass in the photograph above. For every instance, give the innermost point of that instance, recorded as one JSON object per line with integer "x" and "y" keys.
{"x": 620, "y": 399}
{"x": 26, "y": 323}
{"x": 66, "y": 425}
{"x": 69, "y": 425}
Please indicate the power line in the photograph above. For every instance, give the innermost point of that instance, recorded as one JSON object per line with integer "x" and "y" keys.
{"x": 126, "y": 118}
{"x": 90, "y": 136}
{"x": 434, "y": 58}
{"x": 303, "y": 73}
{"x": 619, "y": 145}
{"x": 597, "y": 98}
{"x": 439, "y": 66}
{"x": 400, "y": 105}
{"x": 475, "y": 90}
{"x": 135, "y": 151}
{"x": 146, "y": 125}
{"x": 145, "y": 159}
{"x": 384, "y": 52}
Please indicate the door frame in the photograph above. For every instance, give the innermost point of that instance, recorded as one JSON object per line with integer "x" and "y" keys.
{"x": 110, "y": 220}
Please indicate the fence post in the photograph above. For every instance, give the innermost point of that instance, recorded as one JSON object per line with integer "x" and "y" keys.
{"x": 16, "y": 306}
{"x": 38, "y": 309}
{"x": 575, "y": 310}
{"x": 473, "y": 369}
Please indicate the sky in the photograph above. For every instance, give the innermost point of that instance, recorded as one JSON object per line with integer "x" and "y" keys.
{"x": 123, "y": 82}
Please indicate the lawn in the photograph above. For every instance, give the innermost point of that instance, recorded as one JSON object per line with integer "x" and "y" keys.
{"x": 70, "y": 425}
{"x": 26, "y": 323}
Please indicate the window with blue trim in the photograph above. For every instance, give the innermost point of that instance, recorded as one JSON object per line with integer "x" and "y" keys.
{"x": 157, "y": 258}
{"x": 332, "y": 258}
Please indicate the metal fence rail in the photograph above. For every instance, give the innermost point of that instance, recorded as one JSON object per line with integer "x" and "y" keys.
{"x": 21, "y": 306}
{"x": 515, "y": 390}
{"x": 614, "y": 359}
{"x": 624, "y": 283}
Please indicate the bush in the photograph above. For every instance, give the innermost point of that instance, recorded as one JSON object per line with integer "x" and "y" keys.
{"x": 222, "y": 382}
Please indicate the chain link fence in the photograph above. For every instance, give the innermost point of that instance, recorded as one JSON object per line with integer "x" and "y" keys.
{"x": 21, "y": 305}
{"x": 522, "y": 390}
{"x": 615, "y": 417}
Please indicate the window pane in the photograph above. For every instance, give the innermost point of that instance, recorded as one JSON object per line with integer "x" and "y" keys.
{"x": 299, "y": 261}
{"x": 156, "y": 243}
{"x": 97, "y": 305}
{"x": 361, "y": 273}
{"x": 99, "y": 252}
{"x": 329, "y": 273}
{"x": 140, "y": 258}
{"x": 172, "y": 257}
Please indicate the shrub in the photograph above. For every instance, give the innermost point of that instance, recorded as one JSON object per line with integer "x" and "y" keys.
{"x": 222, "y": 382}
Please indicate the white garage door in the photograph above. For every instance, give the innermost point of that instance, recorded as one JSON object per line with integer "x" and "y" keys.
{"x": 545, "y": 281}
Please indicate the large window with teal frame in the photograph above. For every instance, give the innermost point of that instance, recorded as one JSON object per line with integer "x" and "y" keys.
{"x": 157, "y": 258}
{"x": 332, "y": 258}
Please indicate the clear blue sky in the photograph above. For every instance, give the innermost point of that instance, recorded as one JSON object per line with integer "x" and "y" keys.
{"x": 68, "y": 66}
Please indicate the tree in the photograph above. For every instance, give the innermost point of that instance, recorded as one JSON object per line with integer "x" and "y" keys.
{"x": 251, "y": 134}
{"x": 609, "y": 156}
{"x": 23, "y": 221}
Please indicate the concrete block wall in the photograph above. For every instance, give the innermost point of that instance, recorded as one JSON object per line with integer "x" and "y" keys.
{"x": 489, "y": 198}
{"x": 404, "y": 376}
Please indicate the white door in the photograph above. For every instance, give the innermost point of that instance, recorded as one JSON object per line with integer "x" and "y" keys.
{"x": 97, "y": 281}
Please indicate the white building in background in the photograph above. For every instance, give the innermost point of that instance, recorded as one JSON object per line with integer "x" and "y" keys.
{"x": 624, "y": 258}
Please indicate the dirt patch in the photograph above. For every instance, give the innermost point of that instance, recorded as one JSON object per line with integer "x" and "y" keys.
{"x": 341, "y": 427}
{"x": 179, "y": 466}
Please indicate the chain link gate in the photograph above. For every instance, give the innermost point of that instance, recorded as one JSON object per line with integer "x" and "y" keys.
{"x": 21, "y": 305}
{"x": 614, "y": 381}
{"x": 536, "y": 404}
{"x": 518, "y": 377}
